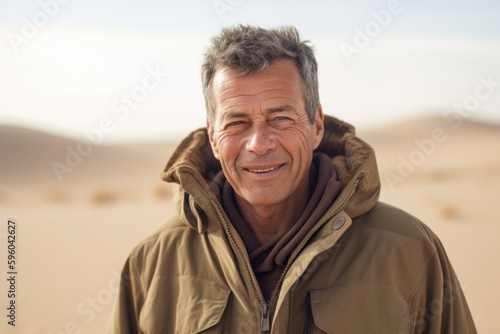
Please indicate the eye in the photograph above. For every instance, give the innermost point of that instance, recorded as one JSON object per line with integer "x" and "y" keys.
{"x": 235, "y": 127}
{"x": 235, "y": 123}
{"x": 281, "y": 122}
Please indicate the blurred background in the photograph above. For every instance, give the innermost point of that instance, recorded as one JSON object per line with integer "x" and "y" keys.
{"x": 95, "y": 95}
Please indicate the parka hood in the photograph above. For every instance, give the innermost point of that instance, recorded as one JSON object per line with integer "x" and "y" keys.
{"x": 193, "y": 166}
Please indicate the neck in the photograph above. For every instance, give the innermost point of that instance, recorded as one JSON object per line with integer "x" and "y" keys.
{"x": 268, "y": 222}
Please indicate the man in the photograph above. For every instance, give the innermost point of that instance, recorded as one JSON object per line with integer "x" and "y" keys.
{"x": 279, "y": 228}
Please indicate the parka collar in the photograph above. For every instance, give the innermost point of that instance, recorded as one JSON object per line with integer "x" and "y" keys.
{"x": 193, "y": 166}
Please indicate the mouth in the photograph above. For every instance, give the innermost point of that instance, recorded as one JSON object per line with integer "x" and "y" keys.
{"x": 263, "y": 170}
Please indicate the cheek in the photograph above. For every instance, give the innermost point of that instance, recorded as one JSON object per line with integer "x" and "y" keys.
{"x": 298, "y": 142}
{"x": 214, "y": 144}
{"x": 217, "y": 141}
{"x": 228, "y": 151}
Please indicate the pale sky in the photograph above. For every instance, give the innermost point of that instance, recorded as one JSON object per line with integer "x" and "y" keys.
{"x": 67, "y": 66}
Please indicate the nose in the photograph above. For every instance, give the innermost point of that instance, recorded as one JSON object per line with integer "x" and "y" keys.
{"x": 261, "y": 140}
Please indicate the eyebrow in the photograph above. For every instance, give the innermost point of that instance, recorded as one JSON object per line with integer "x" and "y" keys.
{"x": 282, "y": 108}
{"x": 231, "y": 114}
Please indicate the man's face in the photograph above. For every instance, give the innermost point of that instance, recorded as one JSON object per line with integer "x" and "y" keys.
{"x": 261, "y": 133}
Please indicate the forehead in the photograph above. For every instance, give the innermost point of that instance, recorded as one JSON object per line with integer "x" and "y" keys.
{"x": 281, "y": 75}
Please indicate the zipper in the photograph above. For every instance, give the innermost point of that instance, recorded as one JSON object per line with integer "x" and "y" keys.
{"x": 243, "y": 260}
{"x": 265, "y": 313}
{"x": 265, "y": 307}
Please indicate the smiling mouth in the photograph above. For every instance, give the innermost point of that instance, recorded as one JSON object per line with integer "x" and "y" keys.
{"x": 262, "y": 170}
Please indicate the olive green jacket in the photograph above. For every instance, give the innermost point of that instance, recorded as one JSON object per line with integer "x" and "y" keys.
{"x": 366, "y": 267}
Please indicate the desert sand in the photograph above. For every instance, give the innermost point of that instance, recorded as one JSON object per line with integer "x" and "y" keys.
{"x": 73, "y": 236}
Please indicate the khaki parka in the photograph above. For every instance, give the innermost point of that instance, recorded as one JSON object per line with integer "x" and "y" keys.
{"x": 366, "y": 267}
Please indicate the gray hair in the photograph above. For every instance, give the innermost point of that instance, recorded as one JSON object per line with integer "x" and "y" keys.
{"x": 250, "y": 49}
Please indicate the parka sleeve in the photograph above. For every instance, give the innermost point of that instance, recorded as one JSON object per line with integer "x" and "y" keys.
{"x": 439, "y": 304}
{"x": 125, "y": 318}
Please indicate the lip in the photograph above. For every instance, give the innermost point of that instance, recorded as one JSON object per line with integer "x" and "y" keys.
{"x": 263, "y": 170}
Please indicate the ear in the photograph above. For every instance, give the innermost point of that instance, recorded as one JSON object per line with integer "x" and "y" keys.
{"x": 213, "y": 141}
{"x": 318, "y": 127}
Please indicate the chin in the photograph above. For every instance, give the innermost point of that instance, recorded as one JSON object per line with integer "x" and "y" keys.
{"x": 263, "y": 198}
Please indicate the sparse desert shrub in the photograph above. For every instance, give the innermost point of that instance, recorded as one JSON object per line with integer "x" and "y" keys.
{"x": 449, "y": 212}
{"x": 103, "y": 196}
{"x": 161, "y": 192}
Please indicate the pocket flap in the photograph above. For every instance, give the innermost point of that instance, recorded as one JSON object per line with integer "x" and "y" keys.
{"x": 184, "y": 304}
{"x": 360, "y": 308}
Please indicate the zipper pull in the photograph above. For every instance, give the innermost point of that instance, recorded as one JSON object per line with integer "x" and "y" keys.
{"x": 264, "y": 318}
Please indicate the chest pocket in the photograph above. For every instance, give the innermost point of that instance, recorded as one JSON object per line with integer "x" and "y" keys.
{"x": 359, "y": 308}
{"x": 183, "y": 304}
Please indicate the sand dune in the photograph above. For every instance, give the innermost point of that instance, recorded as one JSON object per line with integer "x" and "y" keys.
{"x": 74, "y": 235}
{"x": 29, "y": 155}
